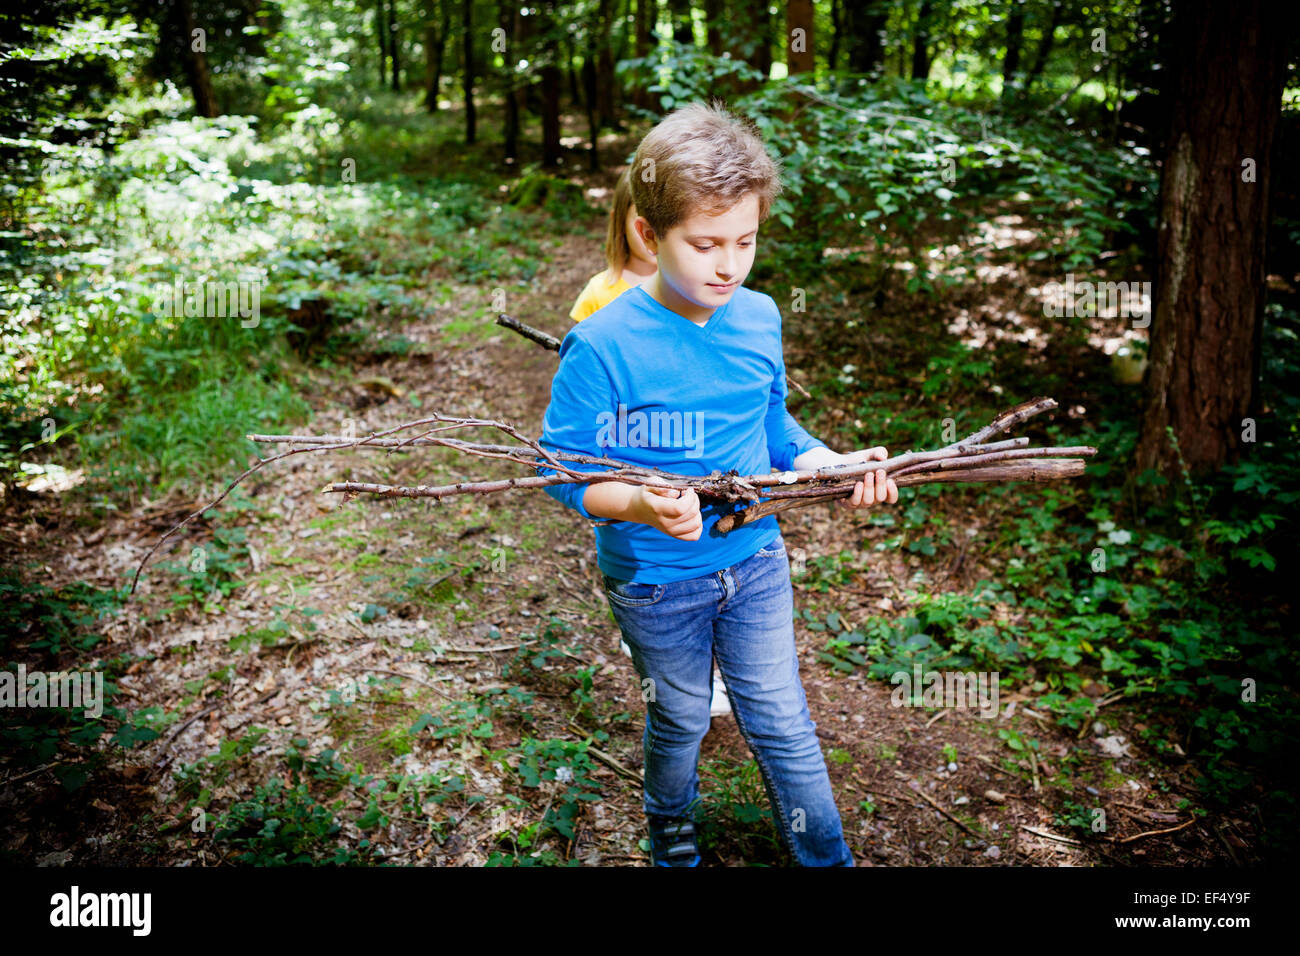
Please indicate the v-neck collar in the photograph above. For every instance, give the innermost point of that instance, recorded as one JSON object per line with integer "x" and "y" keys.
{"x": 708, "y": 328}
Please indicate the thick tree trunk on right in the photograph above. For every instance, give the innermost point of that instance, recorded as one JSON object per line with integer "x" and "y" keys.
{"x": 1203, "y": 377}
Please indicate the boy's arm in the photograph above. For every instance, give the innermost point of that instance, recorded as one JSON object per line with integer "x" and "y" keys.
{"x": 581, "y": 393}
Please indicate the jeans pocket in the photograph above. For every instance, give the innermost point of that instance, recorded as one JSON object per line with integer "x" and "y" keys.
{"x": 632, "y": 593}
{"x": 774, "y": 550}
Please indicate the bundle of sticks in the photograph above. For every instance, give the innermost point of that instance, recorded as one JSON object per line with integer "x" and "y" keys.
{"x": 975, "y": 458}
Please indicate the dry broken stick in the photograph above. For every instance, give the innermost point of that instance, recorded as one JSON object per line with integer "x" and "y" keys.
{"x": 527, "y": 331}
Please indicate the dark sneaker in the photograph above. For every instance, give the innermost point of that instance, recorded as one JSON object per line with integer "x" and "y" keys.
{"x": 672, "y": 842}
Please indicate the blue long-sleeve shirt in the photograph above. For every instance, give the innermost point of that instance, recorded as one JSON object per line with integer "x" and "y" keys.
{"x": 639, "y": 383}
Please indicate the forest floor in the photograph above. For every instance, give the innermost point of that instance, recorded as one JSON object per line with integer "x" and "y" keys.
{"x": 342, "y": 631}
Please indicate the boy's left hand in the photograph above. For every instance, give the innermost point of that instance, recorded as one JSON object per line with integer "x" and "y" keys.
{"x": 876, "y": 487}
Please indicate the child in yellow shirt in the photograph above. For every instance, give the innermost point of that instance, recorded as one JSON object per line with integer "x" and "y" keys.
{"x": 630, "y": 262}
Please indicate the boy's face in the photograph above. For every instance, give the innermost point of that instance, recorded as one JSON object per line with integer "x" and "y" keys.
{"x": 704, "y": 259}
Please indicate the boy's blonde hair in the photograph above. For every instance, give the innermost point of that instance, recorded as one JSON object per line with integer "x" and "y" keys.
{"x": 698, "y": 158}
{"x": 617, "y": 250}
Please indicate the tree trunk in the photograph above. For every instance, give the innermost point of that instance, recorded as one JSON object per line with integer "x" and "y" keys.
{"x": 763, "y": 55}
{"x": 680, "y": 13}
{"x": 799, "y": 36}
{"x": 467, "y": 64}
{"x": 646, "y": 13}
{"x": 603, "y": 66}
{"x": 714, "y": 17}
{"x": 196, "y": 60}
{"x": 921, "y": 43}
{"x": 863, "y": 25}
{"x": 593, "y": 123}
{"x": 435, "y": 46}
{"x": 1015, "y": 42}
{"x": 509, "y": 18}
{"x": 833, "y": 54}
{"x": 381, "y": 32}
{"x": 394, "y": 44}
{"x": 550, "y": 74}
{"x": 576, "y": 96}
{"x": 1044, "y": 45}
{"x": 1203, "y": 378}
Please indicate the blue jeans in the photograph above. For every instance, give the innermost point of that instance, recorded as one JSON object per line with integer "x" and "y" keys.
{"x": 742, "y": 616}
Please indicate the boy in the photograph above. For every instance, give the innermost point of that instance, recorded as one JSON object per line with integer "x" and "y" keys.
{"x": 686, "y": 373}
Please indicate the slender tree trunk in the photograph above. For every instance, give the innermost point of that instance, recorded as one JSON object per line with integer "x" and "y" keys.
{"x": 381, "y": 31}
{"x": 799, "y": 37}
{"x": 713, "y": 20}
{"x": 509, "y": 19}
{"x": 435, "y": 46}
{"x": 1203, "y": 378}
{"x": 1015, "y": 42}
{"x": 1044, "y": 45}
{"x": 467, "y": 64}
{"x": 680, "y": 12}
{"x": 550, "y": 73}
{"x": 763, "y": 55}
{"x": 646, "y": 13}
{"x": 921, "y": 43}
{"x": 606, "y": 83}
{"x": 863, "y": 25}
{"x": 394, "y": 45}
{"x": 196, "y": 62}
{"x": 571, "y": 75}
{"x": 833, "y": 54}
{"x": 593, "y": 123}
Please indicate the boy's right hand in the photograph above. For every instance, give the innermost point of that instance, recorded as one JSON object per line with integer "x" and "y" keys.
{"x": 673, "y": 511}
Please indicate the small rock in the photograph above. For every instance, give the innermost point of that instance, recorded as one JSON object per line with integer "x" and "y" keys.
{"x": 1099, "y": 729}
{"x": 993, "y": 852}
{"x": 1094, "y": 791}
{"x": 952, "y": 766}
{"x": 994, "y": 796}
{"x": 961, "y": 801}
{"x": 1113, "y": 746}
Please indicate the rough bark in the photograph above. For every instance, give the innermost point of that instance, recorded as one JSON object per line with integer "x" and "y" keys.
{"x": 1203, "y": 378}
